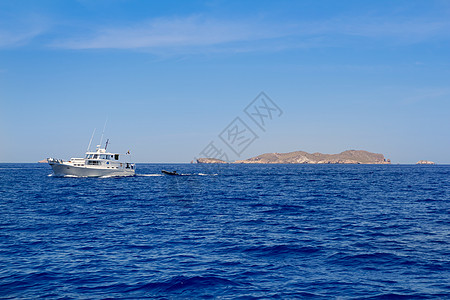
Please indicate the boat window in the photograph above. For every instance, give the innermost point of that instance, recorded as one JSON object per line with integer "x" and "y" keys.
{"x": 93, "y": 162}
{"x": 95, "y": 156}
{"x": 102, "y": 156}
{"x": 116, "y": 156}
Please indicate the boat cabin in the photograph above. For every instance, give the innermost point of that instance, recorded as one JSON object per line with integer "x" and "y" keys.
{"x": 108, "y": 156}
{"x": 108, "y": 160}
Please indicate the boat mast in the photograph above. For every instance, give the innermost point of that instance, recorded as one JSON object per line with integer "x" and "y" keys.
{"x": 106, "y": 146}
{"x": 104, "y": 127}
{"x": 92, "y": 136}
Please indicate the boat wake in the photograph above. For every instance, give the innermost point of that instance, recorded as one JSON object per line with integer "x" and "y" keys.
{"x": 137, "y": 175}
{"x": 149, "y": 175}
{"x": 180, "y": 174}
{"x": 196, "y": 174}
{"x": 65, "y": 176}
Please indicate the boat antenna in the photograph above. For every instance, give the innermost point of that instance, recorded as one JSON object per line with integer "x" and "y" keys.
{"x": 106, "y": 146}
{"x": 92, "y": 136}
{"x": 104, "y": 127}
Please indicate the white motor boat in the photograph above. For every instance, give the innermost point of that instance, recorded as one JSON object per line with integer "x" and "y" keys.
{"x": 95, "y": 164}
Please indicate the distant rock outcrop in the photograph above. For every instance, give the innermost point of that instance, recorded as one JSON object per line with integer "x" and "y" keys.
{"x": 210, "y": 161}
{"x": 44, "y": 161}
{"x": 425, "y": 162}
{"x": 301, "y": 157}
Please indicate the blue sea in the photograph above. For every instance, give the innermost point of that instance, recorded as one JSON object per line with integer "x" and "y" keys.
{"x": 227, "y": 232}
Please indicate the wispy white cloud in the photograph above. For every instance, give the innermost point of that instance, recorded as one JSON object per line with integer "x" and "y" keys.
{"x": 18, "y": 38}
{"x": 197, "y": 32}
{"x": 18, "y": 32}
{"x": 406, "y": 30}
{"x": 192, "y": 31}
{"x": 427, "y": 95}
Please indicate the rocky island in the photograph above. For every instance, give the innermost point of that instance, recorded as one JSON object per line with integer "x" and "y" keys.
{"x": 205, "y": 160}
{"x": 425, "y": 162}
{"x": 301, "y": 157}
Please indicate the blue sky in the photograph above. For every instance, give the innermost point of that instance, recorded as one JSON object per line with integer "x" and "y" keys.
{"x": 171, "y": 75}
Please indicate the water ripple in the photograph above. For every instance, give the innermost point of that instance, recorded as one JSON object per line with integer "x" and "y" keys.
{"x": 237, "y": 232}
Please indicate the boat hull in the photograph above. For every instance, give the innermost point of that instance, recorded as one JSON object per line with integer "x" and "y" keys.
{"x": 68, "y": 170}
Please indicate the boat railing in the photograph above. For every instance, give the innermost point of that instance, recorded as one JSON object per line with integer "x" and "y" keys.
{"x": 54, "y": 160}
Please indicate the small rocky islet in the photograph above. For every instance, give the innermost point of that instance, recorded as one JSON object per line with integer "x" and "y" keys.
{"x": 425, "y": 162}
{"x": 302, "y": 157}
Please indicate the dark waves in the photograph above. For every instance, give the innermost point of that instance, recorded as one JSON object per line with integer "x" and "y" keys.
{"x": 250, "y": 232}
